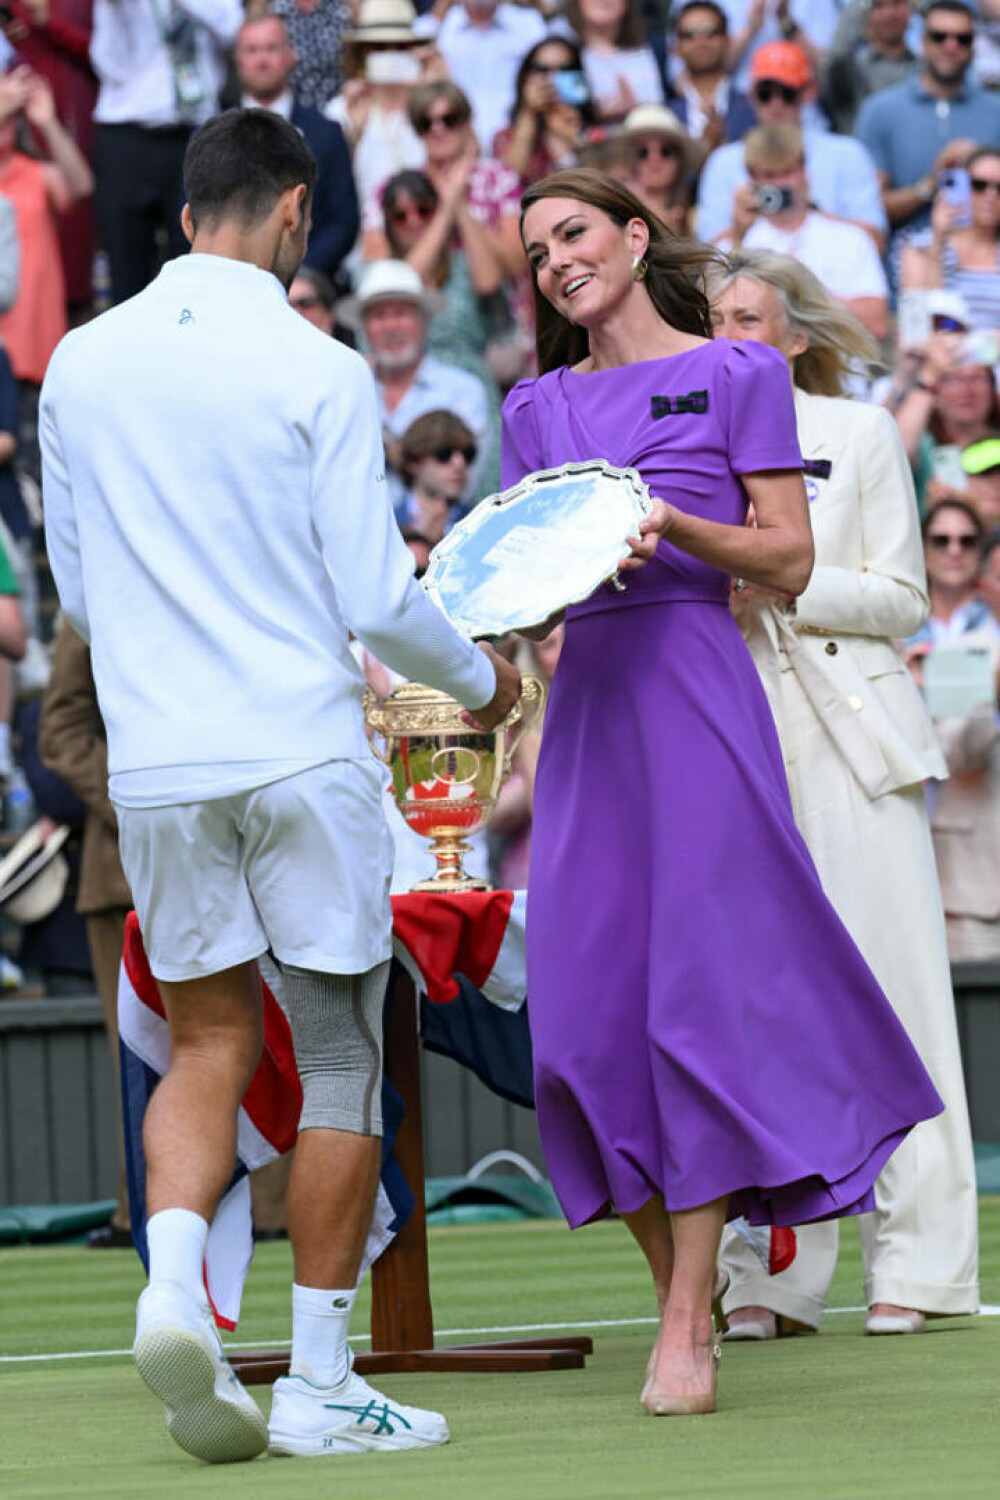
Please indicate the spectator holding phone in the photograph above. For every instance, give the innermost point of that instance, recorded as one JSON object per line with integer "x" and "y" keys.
{"x": 963, "y": 255}
{"x": 842, "y": 177}
{"x": 620, "y": 65}
{"x": 932, "y": 121}
{"x": 552, "y": 111}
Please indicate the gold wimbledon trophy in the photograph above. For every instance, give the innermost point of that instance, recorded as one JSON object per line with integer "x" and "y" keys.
{"x": 446, "y": 776}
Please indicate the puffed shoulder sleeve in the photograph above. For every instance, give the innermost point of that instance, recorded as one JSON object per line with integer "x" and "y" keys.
{"x": 756, "y": 391}
{"x": 521, "y": 451}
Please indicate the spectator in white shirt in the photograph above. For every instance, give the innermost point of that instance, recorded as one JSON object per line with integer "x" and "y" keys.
{"x": 772, "y": 211}
{"x": 842, "y": 175}
{"x": 483, "y": 43}
{"x": 160, "y": 69}
{"x": 621, "y": 68}
{"x": 392, "y": 309}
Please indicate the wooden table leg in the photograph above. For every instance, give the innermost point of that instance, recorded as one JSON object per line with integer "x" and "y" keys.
{"x": 402, "y": 1320}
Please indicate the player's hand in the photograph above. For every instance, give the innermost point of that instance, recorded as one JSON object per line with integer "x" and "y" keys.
{"x": 508, "y": 691}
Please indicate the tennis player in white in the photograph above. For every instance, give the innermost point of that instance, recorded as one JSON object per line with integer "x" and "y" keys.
{"x": 217, "y": 521}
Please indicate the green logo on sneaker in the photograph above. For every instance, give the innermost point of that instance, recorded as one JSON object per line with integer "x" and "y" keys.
{"x": 379, "y": 1412}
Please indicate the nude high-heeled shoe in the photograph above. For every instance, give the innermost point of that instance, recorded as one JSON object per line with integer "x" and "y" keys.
{"x": 663, "y": 1404}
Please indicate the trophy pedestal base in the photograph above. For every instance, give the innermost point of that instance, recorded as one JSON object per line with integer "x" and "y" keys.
{"x": 450, "y": 886}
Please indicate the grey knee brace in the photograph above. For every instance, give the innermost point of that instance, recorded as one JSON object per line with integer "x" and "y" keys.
{"x": 336, "y": 1022}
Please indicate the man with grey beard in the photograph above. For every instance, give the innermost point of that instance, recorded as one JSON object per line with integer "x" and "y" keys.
{"x": 392, "y": 309}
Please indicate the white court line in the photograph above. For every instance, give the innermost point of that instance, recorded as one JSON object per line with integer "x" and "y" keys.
{"x": 988, "y": 1310}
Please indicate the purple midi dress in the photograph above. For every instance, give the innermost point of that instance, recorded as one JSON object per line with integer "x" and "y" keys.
{"x": 702, "y": 1023}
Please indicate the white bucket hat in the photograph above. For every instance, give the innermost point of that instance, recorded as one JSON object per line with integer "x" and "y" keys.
{"x": 33, "y": 875}
{"x": 384, "y": 279}
{"x": 384, "y": 21}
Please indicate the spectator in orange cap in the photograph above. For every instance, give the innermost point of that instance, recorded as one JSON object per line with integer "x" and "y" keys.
{"x": 842, "y": 175}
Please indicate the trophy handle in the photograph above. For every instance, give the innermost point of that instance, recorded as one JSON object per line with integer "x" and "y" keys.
{"x": 375, "y": 723}
{"x": 521, "y": 717}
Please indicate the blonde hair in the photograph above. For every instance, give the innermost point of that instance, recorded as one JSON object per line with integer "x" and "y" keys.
{"x": 774, "y": 146}
{"x": 836, "y": 340}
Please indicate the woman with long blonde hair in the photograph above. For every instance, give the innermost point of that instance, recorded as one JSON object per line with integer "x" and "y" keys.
{"x": 858, "y": 744}
{"x": 707, "y": 1040}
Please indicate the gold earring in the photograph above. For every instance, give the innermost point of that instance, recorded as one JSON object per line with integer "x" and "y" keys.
{"x": 639, "y": 268}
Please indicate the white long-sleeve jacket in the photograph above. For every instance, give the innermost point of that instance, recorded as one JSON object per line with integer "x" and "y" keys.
{"x": 217, "y": 521}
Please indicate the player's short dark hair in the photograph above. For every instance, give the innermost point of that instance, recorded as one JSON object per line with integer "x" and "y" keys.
{"x": 239, "y": 163}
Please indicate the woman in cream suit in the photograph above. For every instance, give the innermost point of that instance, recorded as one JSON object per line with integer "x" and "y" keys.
{"x": 858, "y": 744}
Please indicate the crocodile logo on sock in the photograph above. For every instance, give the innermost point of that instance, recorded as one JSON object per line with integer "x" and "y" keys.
{"x": 340, "y": 1304}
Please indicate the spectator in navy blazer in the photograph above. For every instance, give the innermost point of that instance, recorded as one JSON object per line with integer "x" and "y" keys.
{"x": 264, "y": 63}
{"x": 702, "y": 95}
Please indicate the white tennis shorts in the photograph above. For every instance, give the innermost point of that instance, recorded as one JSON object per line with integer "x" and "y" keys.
{"x": 301, "y": 866}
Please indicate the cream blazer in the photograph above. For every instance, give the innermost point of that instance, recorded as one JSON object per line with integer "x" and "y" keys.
{"x": 868, "y": 587}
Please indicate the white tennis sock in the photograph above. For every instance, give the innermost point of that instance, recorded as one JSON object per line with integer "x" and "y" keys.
{"x": 177, "y": 1239}
{"x": 320, "y": 1321}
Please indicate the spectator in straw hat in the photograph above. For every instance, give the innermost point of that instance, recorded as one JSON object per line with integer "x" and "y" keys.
{"x": 385, "y": 61}
{"x": 392, "y": 308}
{"x": 659, "y": 158}
{"x": 842, "y": 176}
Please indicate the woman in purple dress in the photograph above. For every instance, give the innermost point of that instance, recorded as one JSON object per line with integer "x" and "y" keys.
{"x": 708, "y": 1041}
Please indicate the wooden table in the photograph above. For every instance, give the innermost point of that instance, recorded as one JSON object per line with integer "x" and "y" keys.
{"x": 402, "y": 1319}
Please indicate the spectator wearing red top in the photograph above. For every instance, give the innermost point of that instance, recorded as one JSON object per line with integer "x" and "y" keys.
{"x": 53, "y": 38}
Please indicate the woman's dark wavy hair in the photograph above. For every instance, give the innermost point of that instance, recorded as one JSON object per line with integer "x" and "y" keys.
{"x": 675, "y": 279}
{"x": 587, "y": 110}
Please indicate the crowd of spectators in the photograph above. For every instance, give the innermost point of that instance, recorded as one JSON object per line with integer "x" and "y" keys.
{"x": 859, "y": 136}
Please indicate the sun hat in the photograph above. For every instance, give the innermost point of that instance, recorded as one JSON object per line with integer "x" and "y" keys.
{"x": 655, "y": 119}
{"x": 34, "y": 874}
{"x": 942, "y": 303}
{"x": 782, "y": 62}
{"x": 384, "y": 21}
{"x": 384, "y": 279}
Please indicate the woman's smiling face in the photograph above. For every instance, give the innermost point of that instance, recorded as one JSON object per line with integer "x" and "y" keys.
{"x": 581, "y": 259}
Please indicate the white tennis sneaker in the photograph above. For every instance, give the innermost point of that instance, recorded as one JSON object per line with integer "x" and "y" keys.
{"x": 179, "y": 1355}
{"x": 352, "y": 1417}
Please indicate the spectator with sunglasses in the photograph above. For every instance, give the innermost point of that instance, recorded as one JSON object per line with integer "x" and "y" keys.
{"x": 963, "y": 255}
{"x": 552, "y": 111}
{"x": 621, "y": 67}
{"x": 483, "y": 197}
{"x": 932, "y": 121}
{"x": 436, "y": 453}
{"x": 702, "y": 94}
{"x": 420, "y": 228}
{"x": 660, "y": 155}
{"x": 842, "y": 176}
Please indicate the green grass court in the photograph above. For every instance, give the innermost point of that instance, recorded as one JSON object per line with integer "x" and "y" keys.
{"x": 836, "y": 1415}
